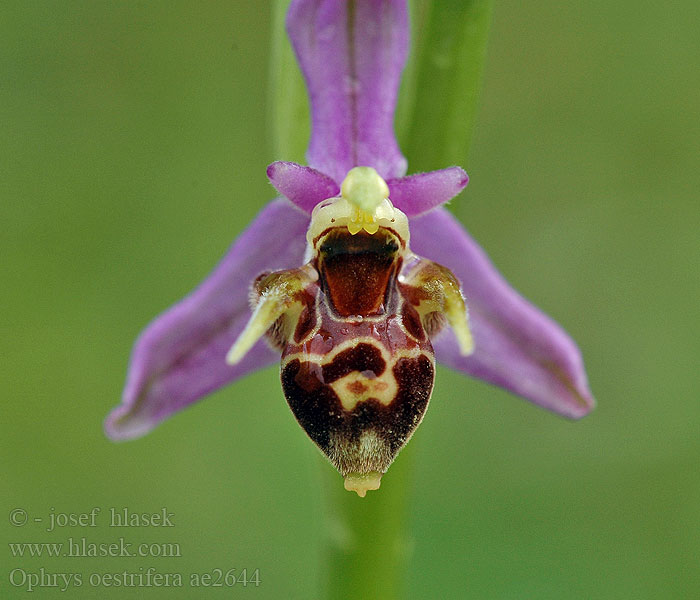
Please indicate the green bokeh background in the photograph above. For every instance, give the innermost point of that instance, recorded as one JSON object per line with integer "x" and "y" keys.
{"x": 134, "y": 138}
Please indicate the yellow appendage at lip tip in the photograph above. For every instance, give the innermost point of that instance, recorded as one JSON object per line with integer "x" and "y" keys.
{"x": 364, "y": 188}
{"x": 361, "y": 483}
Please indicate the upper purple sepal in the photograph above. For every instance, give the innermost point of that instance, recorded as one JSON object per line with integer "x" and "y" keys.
{"x": 351, "y": 55}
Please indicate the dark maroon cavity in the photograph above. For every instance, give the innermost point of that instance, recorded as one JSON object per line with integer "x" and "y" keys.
{"x": 355, "y": 270}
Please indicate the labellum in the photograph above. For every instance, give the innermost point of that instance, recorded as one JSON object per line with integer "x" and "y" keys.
{"x": 354, "y": 326}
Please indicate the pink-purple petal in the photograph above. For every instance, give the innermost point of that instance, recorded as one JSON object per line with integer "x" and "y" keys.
{"x": 516, "y": 346}
{"x": 304, "y": 186}
{"x": 422, "y": 192}
{"x": 180, "y": 356}
{"x": 351, "y": 55}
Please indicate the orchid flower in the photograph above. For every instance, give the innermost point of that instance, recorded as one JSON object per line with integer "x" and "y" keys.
{"x": 355, "y": 274}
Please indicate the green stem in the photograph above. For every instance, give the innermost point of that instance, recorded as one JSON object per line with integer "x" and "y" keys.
{"x": 442, "y": 82}
{"x": 367, "y": 545}
{"x": 289, "y": 109}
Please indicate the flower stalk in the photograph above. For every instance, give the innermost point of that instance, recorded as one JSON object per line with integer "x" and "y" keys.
{"x": 289, "y": 104}
{"x": 440, "y": 89}
{"x": 367, "y": 542}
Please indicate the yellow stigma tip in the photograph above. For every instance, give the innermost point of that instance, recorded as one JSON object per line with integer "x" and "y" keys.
{"x": 361, "y": 483}
{"x": 364, "y": 188}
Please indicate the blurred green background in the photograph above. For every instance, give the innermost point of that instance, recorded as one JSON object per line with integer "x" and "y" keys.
{"x": 133, "y": 143}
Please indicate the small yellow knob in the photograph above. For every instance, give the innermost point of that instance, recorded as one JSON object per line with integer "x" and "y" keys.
{"x": 364, "y": 188}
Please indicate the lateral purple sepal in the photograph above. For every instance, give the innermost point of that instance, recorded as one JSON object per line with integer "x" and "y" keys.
{"x": 352, "y": 72}
{"x": 517, "y": 347}
{"x": 303, "y": 186}
{"x": 181, "y": 355}
{"x": 422, "y": 192}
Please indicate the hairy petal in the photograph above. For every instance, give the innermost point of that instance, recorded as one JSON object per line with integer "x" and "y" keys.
{"x": 422, "y": 192}
{"x": 181, "y": 355}
{"x": 351, "y": 55}
{"x": 516, "y": 346}
{"x": 304, "y": 186}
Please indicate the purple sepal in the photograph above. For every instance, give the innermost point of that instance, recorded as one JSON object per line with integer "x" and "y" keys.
{"x": 303, "y": 186}
{"x": 181, "y": 355}
{"x": 517, "y": 347}
{"x": 352, "y": 73}
{"x": 422, "y": 192}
